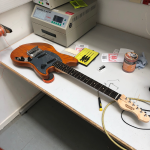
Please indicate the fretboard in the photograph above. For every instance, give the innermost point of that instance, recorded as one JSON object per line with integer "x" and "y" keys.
{"x": 87, "y": 80}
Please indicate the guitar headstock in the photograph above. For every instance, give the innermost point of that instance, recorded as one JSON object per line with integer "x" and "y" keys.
{"x": 128, "y": 105}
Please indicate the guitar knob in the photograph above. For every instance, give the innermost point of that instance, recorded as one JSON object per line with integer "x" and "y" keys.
{"x": 43, "y": 66}
{"x": 29, "y": 59}
{"x": 22, "y": 58}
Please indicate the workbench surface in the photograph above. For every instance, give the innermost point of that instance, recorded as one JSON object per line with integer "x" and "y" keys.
{"x": 82, "y": 99}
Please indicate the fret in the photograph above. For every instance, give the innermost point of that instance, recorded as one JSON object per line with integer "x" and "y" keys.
{"x": 118, "y": 97}
{"x": 62, "y": 67}
{"x": 94, "y": 84}
{"x": 80, "y": 76}
{"x": 113, "y": 94}
{"x": 98, "y": 86}
{"x": 72, "y": 72}
{"x": 102, "y": 88}
{"x": 110, "y": 92}
{"x": 56, "y": 64}
{"x": 76, "y": 73}
{"x": 71, "y": 69}
{"x": 86, "y": 79}
{"x": 83, "y": 78}
{"x": 90, "y": 81}
{"x": 66, "y": 69}
{"x": 107, "y": 91}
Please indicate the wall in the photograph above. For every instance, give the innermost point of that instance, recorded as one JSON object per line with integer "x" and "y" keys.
{"x": 10, "y": 4}
{"x": 125, "y": 15}
{"x": 14, "y": 91}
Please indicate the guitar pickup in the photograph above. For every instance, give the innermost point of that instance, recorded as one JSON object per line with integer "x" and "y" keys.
{"x": 51, "y": 61}
{"x": 41, "y": 55}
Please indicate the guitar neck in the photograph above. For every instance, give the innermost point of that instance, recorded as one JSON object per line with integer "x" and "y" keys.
{"x": 87, "y": 80}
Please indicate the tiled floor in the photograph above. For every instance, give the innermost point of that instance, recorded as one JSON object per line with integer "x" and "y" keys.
{"x": 50, "y": 126}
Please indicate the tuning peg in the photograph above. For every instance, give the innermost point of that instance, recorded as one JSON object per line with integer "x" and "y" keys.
{"x": 126, "y": 98}
{"x": 141, "y": 111}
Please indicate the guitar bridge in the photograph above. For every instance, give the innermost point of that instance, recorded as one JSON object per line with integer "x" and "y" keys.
{"x": 34, "y": 51}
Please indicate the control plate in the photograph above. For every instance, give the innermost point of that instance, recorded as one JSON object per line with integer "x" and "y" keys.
{"x": 51, "y": 16}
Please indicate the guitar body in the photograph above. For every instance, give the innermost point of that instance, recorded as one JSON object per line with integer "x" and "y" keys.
{"x": 21, "y": 52}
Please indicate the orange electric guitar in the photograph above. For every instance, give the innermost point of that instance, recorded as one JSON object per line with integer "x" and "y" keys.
{"x": 44, "y": 59}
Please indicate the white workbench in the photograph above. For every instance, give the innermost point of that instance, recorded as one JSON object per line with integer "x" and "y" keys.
{"x": 82, "y": 99}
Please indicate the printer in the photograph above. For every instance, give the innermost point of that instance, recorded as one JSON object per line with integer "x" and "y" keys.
{"x": 64, "y": 24}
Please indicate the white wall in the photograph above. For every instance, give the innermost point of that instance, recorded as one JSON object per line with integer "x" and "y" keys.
{"x": 18, "y": 19}
{"x": 10, "y": 4}
{"x": 124, "y": 15}
{"x": 14, "y": 91}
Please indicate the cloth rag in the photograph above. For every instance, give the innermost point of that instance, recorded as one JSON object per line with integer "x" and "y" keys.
{"x": 141, "y": 62}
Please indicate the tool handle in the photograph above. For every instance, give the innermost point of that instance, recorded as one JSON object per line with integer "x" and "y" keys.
{"x": 100, "y": 104}
{"x": 8, "y": 30}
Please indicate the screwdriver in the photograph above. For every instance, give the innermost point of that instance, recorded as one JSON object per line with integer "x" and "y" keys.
{"x": 88, "y": 58}
{"x": 99, "y": 102}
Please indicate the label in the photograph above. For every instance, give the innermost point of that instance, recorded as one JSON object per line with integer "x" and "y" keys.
{"x": 52, "y": 17}
{"x": 131, "y": 108}
{"x": 112, "y": 57}
{"x": 109, "y": 57}
{"x": 80, "y": 47}
{"x": 69, "y": 13}
{"x": 130, "y": 63}
{"x": 128, "y": 68}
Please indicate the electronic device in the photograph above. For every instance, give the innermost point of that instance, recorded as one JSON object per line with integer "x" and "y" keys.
{"x": 65, "y": 24}
{"x": 44, "y": 59}
{"x": 50, "y": 3}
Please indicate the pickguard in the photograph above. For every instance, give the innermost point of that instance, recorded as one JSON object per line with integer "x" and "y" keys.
{"x": 45, "y": 60}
